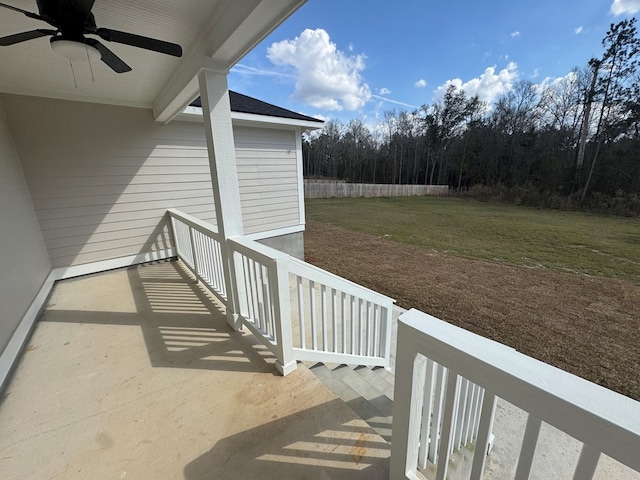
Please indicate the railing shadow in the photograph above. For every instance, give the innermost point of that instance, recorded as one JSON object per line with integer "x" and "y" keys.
{"x": 320, "y": 442}
{"x": 182, "y": 324}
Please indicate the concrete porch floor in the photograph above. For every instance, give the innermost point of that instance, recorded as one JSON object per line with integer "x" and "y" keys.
{"x": 134, "y": 373}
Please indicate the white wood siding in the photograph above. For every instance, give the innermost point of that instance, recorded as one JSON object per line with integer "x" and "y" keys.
{"x": 268, "y": 176}
{"x": 23, "y": 258}
{"x": 101, "y": 177}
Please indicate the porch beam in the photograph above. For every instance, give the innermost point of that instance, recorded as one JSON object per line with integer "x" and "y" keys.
{"x": 231, "y": 31}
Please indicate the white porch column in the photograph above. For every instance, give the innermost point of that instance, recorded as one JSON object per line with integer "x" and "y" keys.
{"x": 216, "y": 111}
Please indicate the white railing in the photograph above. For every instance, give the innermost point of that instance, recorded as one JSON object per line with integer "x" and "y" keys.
{"x": 466, "y": 418}
{"x": 604, "y": 421}
{"x": 263, "y": 297}
{"x": 337, "y": 320}
{"x": 328, "y": 319}
{"x": 198, "y": 245}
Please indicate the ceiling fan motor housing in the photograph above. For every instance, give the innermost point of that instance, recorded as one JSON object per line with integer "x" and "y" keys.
{"x": 75, "y": 50}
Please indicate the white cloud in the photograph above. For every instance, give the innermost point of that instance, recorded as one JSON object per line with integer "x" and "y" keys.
{"x": 619, "y": 7}
{"x": 487, "y": 86}
{"x": 515, "y": 34}
{"x": 326, "y": 77}
{"x": 578, "y": 30}
{"x": 555, "y": 81}
{"x": 421, "y": 83}
{"x": 536, "y": 73}
{"x": 384, "y": 91}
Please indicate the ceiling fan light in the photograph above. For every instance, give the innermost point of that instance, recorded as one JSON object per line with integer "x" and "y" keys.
{"x": 74, "y": 50}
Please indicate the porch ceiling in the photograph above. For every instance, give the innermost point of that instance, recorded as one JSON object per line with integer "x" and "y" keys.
{"x": 222, "y": 30}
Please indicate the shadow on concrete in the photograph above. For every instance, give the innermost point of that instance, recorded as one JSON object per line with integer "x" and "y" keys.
{"x": 182, "y": 324}
{"x": 322, "y": 442}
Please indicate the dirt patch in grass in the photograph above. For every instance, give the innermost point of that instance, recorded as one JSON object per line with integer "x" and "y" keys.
{"x": 589, "y": 326}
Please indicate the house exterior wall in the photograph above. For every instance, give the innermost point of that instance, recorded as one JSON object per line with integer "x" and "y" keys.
{"x": 292, "y": 243}
{"x": 268, "y": 177}
{"x": 23, "y": 258}
{"x": 101, "y": 177}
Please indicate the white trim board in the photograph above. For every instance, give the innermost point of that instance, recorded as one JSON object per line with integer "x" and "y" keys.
{"x": 194, "y": 114}
{"x": 18, "y": 340}
{"x": 21, "y": 335}
{"x": 275, "y": 233}
{"x": 63, "y": 273}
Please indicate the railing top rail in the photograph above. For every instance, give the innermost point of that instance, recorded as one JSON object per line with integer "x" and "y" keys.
{"x": 591, "y": 413}
{"x": 253, "y": 249}
{"x": 194, "y": 222}
{"x": 316, "y": 274}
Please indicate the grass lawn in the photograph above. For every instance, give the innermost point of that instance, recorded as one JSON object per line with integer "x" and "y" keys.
{"x": 561, "y": 287}
{"x": 564, "y": 241}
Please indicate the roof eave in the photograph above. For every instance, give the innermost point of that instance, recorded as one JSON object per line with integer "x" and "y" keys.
{"x": 245, "y": 24}
{"x": 194, "y": 114}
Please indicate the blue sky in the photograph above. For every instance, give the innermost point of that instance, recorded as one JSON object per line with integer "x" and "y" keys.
{"x": 357, "y": 59}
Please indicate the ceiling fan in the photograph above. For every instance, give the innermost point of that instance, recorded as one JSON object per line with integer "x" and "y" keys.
{"x": 72, "y": 20}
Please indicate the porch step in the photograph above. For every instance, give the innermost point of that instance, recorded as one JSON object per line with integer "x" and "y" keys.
{"x": 368, "y": 391}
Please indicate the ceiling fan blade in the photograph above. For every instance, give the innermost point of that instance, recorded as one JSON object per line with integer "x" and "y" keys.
{"x": 24, "y": 36}
{"x": 111, "y": 59}
{"x": 27, "y": 13}
{"x": 140, "y": 41}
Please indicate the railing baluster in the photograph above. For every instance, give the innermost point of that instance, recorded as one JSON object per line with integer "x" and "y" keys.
{"x": 323, "y": 310}
{"x": 484, "y": 435}
{"x": 353, "y": 325}
{"x": 477, "y": 411}
{"x": 344, "y": 322}
{"x": 262, "y": 312}
{"x": 193, "y": 254}
{"x": 427, "y": 414}
{"x": 448, "y": 424}
{"x": 204, "y": 261}
{"x": 437, "y": 414}
{"x": 270, "y": 326}
{"x": 528, "y": 448}
{"x": 587, "y": 463}
{"x": 312, "y": 301}
{"x": 301, "y": 316}
{"x": 334, "y": 320}
{"x": 360, "y": 329}
{"x": 204, "y": 265}
{"x": 265, "y": 299}
{"x": 367, "y": 319}
{"x": 249, "y": 288}
{"x": 469, "y": 415}
{"x": 460, "y": 414}
{"x": 256, "y": 293}
{"x": 212, "y": 264}
{"x": 378, "y": 336}
{"x": 220, "y": 263}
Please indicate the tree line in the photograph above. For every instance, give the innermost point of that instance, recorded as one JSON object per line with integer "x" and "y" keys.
{"x": 576, "y": 136}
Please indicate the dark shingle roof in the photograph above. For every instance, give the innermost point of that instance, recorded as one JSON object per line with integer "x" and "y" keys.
{"x": 244, "y": 104}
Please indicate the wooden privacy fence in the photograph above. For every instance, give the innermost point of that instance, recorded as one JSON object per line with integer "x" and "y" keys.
{"x": 316, "y": 189}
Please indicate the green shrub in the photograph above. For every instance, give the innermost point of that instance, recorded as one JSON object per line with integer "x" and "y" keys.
{"x": 622, "y": 204}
